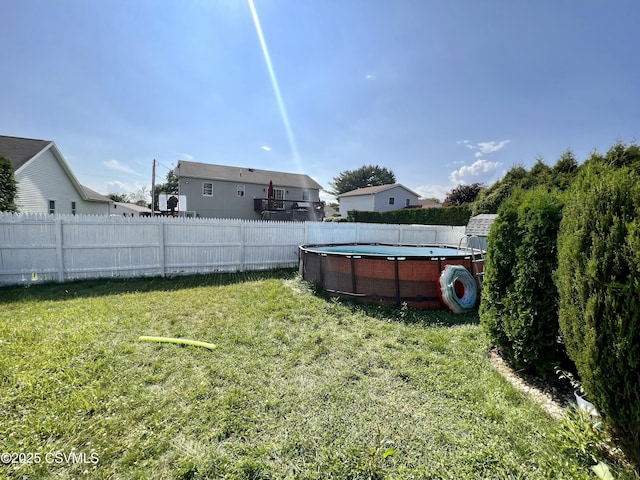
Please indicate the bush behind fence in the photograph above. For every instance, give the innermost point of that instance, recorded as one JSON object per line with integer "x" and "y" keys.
{"x": 43, "y": 248}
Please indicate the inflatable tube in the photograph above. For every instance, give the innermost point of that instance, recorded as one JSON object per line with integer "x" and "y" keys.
{"x": 457, "y": 276}
{"x": 179, "y": 341}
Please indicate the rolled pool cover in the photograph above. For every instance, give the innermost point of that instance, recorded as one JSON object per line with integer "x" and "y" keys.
{"x": 178, "y": 341}
{"x": 448, "y": 278}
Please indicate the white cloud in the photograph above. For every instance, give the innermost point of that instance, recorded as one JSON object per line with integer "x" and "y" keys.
{"x": 484, "y": 147}
{"x": 116, "y": 165}
{"x": 327, "y": 197}
{"x": 433, "y": 191}
{"x": 369, "y": 76}
{"x": 490, "y": 147}
{"x": 466, "y": 144}
{"x": 186, "y": 156}
{"x": 117, "y": 186}
{"x": 480, "y": 171}
{"x": 266, "y": 148}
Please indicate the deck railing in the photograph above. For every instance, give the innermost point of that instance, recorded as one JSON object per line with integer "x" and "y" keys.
{"x": 276, "y": 209}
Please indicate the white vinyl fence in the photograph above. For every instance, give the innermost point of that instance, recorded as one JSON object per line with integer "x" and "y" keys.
{"x": 44, "y": 248}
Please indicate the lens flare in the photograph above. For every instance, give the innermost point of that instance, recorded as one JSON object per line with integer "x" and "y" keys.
{"x": 276, "y": 88}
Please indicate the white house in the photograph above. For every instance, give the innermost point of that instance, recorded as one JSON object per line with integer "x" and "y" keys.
{"x": 382, "y": 198}
{"x": 45, "y": 182}
{"x": 129, "y": 210}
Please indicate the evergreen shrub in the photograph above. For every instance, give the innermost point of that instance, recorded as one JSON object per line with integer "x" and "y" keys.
{"x": 520, "y": 301}
{"x": 498, "y": 275}
{"x": 8, "y": 186}
{"x": 457, "y": 215}
{"x": 598, "y": 281}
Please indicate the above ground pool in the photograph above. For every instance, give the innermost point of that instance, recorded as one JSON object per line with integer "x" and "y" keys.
{"x": 421, "y": 276}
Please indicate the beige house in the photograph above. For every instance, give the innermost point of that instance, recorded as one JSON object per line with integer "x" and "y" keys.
{"x": 45, "y": 182}
{"x": 428, "y": 203}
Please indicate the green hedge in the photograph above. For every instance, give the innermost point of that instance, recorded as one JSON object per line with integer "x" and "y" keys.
{"x": 498, "y": 277}
{"x": 519, "y": 307}
{"x": 458, "y": 215}
{"x": 598, "y": 281}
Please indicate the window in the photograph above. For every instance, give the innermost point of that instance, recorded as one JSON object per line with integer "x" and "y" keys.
{"x": 407, "y": 202}
{"x": 240, "y": 191}
{"x": 73, "y": 208}
{"x": 392, "y": 200}
{"x": 207, "y": 189}
{"x": 305, "y": 195}
{"x": 278, "y": 194}
{"x": 52, "y": 207}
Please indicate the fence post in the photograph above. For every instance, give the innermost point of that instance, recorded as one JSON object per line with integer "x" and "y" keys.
{"x": 161, "y": 258}
{"x": 243, "y": 242}
{"x": 59, "y": 251}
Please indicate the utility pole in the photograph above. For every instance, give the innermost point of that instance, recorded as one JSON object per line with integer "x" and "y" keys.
{"x": 153, "y": 189}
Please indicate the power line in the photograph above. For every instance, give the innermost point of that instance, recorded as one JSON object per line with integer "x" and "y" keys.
{"x": 168, "y": 168}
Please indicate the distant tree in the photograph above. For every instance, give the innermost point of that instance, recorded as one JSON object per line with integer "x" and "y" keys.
{"x": 365, "y": 176}
{"x": 170, "y": 186}
{"x": 559, "y": 177}
{"x": 565, "y": 170}
{"x": 8, "y": 186}
{"x": 119, "y": 197}
{"x": 618, "y": 156}
{"x": 518, "y": 176}
{"x": 539, "y": 175}
{"x": 462, "y": 194}
{"x": 490, "y": 198}
{"x": 141, "y": 197}
{"x": 172, "y": 182}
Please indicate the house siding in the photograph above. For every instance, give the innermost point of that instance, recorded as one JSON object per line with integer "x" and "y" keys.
{"x": 225, "y": 202}
{"x": 92, "y": 208}
{"x": 43, "y": 179}
{"x": 378, "y": 202}
{"x": 123, "y": 209}
{"x": 364, "y": 203}
{"x": 381, "y": 202}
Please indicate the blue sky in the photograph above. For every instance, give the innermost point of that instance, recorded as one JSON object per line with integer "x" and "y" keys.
{"x": 441, "y": 92}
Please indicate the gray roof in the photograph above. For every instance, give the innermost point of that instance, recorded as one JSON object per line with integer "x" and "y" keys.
{"x": 134, "y": 207}
{"x": 374, "y": 190}
{"x": 94, "y": 196}
{"x": 428, "y": 203}
{"x": 21, "y": 150}
{"x": 257, "y": 176}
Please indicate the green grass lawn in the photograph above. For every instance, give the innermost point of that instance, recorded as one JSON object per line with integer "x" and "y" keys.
{"x": 300, "y": 386}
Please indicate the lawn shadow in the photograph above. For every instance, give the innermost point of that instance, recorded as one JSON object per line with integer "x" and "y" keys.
{"x": 116, "y": 286}
{"x": 403, "y": 313}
